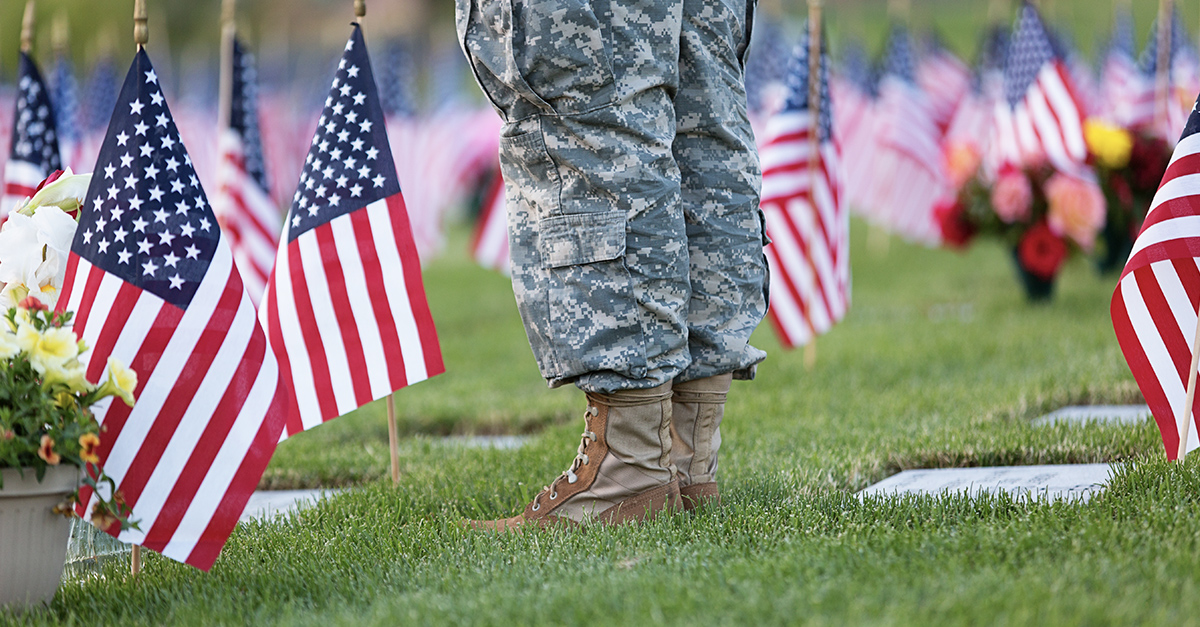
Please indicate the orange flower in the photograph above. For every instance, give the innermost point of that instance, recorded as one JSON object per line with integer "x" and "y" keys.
{"x": 47, "y": 453}
{"x": 962, "y": 161}
{"x": 103, "y": 519}
{"x": 88, "y": 445}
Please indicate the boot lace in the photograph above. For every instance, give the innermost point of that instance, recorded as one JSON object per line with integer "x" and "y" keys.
{"x": 581, "y": 459}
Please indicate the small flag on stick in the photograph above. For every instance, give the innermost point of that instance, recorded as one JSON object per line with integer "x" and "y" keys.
{"x": 345, "y": 305}
{"x": 802, "y": 199}
{"x": 489, "y": 246}
{"x": 34, "y": 152}
{"x": 243, "y": 200}
{"x": 1155, "y": 303}
{"x": 153, "y": 283}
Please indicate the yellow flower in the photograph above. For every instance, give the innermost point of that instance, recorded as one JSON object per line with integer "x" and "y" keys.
{"x": 89, "y": 445}
{"x": 46, "y": 451}
{"x": 48, "y": 350}
{"x": 72, "y": 374}
{"x": 8, "y": 345}
{"x": 121, "y": 381}
{"x": 1111, "y": 145}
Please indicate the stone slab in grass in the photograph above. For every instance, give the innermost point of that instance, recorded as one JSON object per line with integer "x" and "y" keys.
{"x": 266, "y": 504}
{"x": 1073, "y": 482}
{"x": 1105, "y": 414}
{"x": 501, "y": 442}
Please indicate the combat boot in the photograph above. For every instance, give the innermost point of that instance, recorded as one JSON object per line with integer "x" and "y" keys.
{"x": 622, "y": 471}
{"x": 696, "y": 409}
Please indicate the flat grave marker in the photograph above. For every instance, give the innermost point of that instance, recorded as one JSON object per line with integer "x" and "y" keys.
{"x": 1071, "y": 482}
{"x": 1104, "y": 414}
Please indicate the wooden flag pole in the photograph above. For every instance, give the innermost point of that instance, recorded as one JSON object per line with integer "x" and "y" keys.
{"x": 141, "y": 32}
{"x": 1162, "y": 74}
{"x": 360, "y": 11}
{"x": 1186, "y": 418}
{"x": 814, "y": 138}
{"x": 27, "y": 28}
{"x": 141, "y": 35}
{"x": 228, "y": 33}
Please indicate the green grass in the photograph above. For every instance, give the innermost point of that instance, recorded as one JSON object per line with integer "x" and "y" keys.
{"x": 939, "y": 363}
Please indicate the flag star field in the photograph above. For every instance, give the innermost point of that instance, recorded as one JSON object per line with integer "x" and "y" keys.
{"x": 345, "y": 170}
{"x": 145, "y": 218}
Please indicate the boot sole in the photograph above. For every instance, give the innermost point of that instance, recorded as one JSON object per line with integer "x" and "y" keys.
{"x": 641, "y": 506}
{"x": 700, "y": 495}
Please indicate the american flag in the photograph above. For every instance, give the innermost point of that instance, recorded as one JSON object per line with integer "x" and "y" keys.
{"x": 945, "y": 80}
{"x": 489, "y": 245}
{"x": 851, "y": 92}
{"x": 1040, "y": 118}
{"x": 65, "y": 98}
{"x": 243, "y": 201}
{"x": 1128, "y": 94}
{"x": 802, "y": 199}
{"x": 34, "y": 153}
{"x": 153, "y": 283}
{"x": 908, "y": 177}
{"x": 345, "y": 307}
{"x": 1154, "y": 305}
{"x": 1183, "y": 77}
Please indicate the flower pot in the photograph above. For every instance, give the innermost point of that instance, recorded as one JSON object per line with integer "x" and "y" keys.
{"x": 33, "y": 540}
{"x": 1037, "y": 289}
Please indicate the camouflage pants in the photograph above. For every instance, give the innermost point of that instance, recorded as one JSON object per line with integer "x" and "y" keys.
{"x": 632, "y": 183}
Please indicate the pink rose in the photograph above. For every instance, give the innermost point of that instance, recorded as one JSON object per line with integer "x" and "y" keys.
{"x": 1012, "y": 196}
{"x": 1076, "y": 209}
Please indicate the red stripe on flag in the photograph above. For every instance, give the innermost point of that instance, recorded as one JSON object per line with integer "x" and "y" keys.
{"x": 95, "y": 276}
{"x": 293, "y": 423}
{"x": 64, "y": 295}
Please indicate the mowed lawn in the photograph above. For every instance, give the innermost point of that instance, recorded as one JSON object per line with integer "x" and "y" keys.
{"x": 940, "y": 363}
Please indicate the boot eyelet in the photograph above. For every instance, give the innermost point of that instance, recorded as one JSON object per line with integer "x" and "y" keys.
{"x": 553, "y": 495}
{"x": 536, "y": 506}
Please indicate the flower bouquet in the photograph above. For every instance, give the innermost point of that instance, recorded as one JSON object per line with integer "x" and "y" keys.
{"x": 1042, "y": 215}
{"x": 45, "y": 406}
{"x": 1129, "y": 165}
{"x": 50, "y": 440}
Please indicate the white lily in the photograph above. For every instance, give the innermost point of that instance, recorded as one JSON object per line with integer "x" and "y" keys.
{"x": 36, "y": 241}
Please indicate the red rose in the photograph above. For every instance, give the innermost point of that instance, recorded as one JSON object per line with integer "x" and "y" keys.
{"x": 1041, "y": 252}
{"x": 951, "y": 219}
{"x": 32, "y": 304}
{"x": 57, "y": 174}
